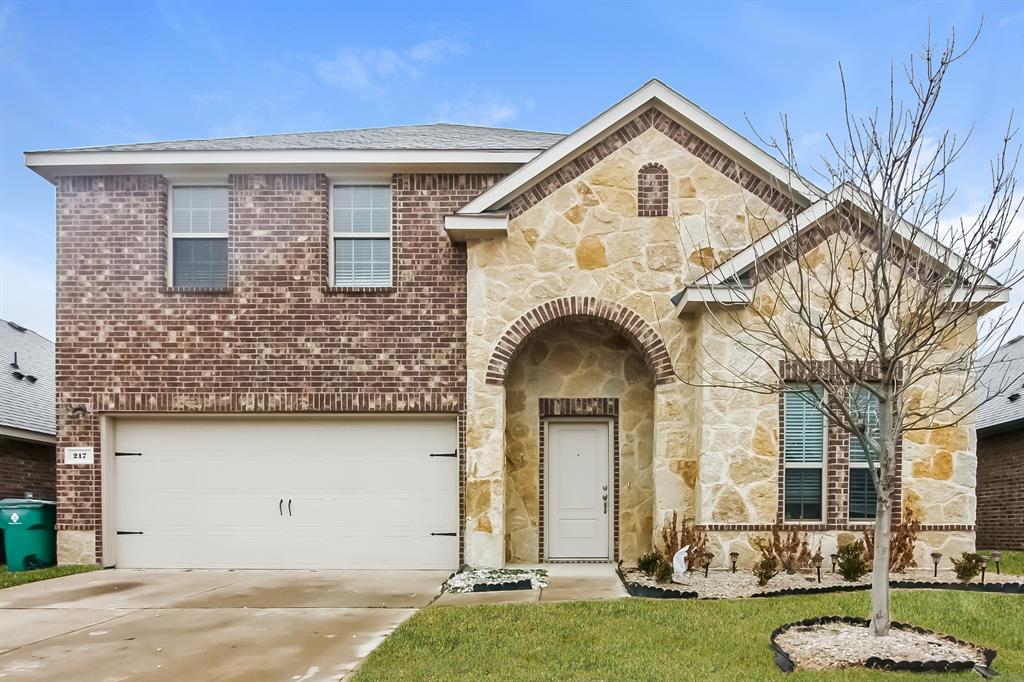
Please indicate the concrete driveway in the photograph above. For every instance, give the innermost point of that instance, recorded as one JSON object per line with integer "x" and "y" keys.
{"x": 204, "y": 625}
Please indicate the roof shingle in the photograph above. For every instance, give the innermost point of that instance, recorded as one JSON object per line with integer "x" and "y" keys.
{"x": 1004, "y": 369}
{"x": 430, "y": 137}
{"x": 25, "y": 404}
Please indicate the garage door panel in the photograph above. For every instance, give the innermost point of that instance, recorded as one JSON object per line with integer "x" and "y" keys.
{"x": 214, "y": 493}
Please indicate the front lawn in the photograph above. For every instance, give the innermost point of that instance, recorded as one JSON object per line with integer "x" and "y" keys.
{"x": 8, "y": 579}
{"x": 1012, "y": 562}
{"x": 641, "y": 639}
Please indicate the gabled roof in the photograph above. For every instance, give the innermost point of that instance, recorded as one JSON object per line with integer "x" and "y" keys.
{"x": 433, "y": 136}
{"x": 655, "y": 93}
{"x": 25, "y": 405}
{"x": 1004, "y": 368}
{"x": 701, "y": 291}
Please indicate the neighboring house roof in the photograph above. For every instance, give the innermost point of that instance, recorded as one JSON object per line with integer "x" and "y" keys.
{"x": 26, "y": 405}
{"x": 433, "y": 136}
{"x": 1004, "y": 370}
{"x": 720, "y": 286}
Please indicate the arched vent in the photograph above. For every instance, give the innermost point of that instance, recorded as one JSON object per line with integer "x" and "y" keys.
{"x": 652, "y": 190}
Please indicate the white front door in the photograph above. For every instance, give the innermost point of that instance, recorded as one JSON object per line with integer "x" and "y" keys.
{"x": 578, "y": 495}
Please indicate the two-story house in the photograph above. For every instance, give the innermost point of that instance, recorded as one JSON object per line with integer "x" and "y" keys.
{"x": 432, "y": 345}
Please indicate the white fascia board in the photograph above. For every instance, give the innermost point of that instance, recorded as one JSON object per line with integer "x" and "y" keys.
{"x": 770, "y": 243}
{"x": 703, "y": 123}
{"x": 695, "y": 298}
{"x": 983, "y": 299}
{"x": 15, "y": 433}
{"x": 485, "y": 226}
{"x": 51, "y": 165}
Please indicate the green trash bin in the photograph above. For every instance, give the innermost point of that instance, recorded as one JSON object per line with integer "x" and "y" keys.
{"x": 30, "y": 533}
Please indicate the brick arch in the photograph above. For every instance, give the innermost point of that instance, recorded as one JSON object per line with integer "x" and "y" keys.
{"x": 581, "y": 308}
{"x": 652, "y": 190}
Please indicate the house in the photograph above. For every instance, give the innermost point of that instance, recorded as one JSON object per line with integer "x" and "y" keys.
{"x": 27, "y": 423}
{"x": 425, "y": 346}
{"x": 1000, "y": 424}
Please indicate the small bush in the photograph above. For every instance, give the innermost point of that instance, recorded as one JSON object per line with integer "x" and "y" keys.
{"x": 663, "y": 571}
{"x": 853, "y": 564}
{"x": 792, "y": 553}
{"x": 901, "y": 543}
{"x": 675, "y": 536}
{"x": 765, "y": 569}
{"x": 647, "y": 563}
{"x": 967, "y": 566}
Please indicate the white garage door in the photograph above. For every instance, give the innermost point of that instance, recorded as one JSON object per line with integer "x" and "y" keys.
{"x": 285, "y": 493}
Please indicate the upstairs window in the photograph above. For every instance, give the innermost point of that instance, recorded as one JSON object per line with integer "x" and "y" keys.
{"x": 361, "y": 235}
{"x": 804, "y": 438}
{"x": 652, "y": 190}
{"x": 199, "y": 237}
{"x": 862, "y": 485}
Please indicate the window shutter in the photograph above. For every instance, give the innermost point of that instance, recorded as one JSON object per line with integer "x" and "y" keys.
{"x": 804, "y": 427}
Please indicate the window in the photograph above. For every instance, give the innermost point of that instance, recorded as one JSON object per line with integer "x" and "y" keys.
{"x": 862, "y": 485}
{"x": 199, "y": 237}
{"x": 804, "y": 429}
{"x": 361, "y": 235}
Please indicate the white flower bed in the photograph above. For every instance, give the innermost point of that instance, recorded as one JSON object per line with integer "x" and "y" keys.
{"x": 465, "y": 580}
{"x": 830, "y": 646}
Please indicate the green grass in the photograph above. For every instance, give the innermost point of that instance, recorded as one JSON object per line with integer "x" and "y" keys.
{"x": 8, "y": 579}
{"x": 1011, "y": 563}
{"x": 642, "y": 639}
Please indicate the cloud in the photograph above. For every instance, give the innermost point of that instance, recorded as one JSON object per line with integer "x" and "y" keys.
{"x": 486, "y": 110}
{"x": 1012, "y": 19}
{"x": 366, "y": 70}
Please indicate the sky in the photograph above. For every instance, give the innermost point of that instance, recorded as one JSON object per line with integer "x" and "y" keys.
{"x": 83, "y": 73}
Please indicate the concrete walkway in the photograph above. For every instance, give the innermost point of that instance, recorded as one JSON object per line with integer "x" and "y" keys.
{"x": 116, "y": 625}
{"x": 566, "y": 582}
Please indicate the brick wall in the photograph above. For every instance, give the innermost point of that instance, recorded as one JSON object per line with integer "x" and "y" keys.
{"x": 27, "y": 468}
{"x": 1001, "y": 491}
{"x": 280, "y": 339}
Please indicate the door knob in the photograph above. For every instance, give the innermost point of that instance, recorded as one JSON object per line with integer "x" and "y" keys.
{"x": 604, "y": 498}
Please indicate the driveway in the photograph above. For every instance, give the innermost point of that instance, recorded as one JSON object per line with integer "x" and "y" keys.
{"x": 297, "y": 626}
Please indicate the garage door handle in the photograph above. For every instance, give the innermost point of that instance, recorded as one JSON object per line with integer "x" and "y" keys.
{"x": 289, "y": 507}
{"x": 280, "y": 507}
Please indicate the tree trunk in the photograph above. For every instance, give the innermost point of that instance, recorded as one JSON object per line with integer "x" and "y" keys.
{"x": 880, "y": 568}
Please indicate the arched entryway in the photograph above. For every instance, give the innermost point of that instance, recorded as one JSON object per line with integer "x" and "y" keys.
{"x": 579, "y": 365}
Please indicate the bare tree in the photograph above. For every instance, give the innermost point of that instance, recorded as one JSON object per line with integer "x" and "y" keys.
{"x": 870, "y": 302}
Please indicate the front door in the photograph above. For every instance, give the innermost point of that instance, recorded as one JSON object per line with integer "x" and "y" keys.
{"x": 578, "y": 495}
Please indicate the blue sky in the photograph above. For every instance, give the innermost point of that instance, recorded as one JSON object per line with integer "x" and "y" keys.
{"x": 81, "y": 73}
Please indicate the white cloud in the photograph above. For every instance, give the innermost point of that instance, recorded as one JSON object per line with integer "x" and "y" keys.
{"x": 366, "y": 70}
{"x": 1012, "y": 19}
{"x": 487, "y": 110}
{"x": 28, "y": 294}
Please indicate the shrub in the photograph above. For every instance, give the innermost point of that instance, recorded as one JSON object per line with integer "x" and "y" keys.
{"x": 674, "y": 537}
{"x": 663, "y": 571}
{"x": 967, "y": 566}
{"x": 853, "y": 564}
{"x": 647, "y": 563}
{"x": 765, "y": 569}
{"x": 901, "y": 543}
{"x": 792, "y": 553}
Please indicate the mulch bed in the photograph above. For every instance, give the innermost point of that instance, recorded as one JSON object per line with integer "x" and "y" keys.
{"x": 723, "y": 584}
{"x": 835, "y": 642}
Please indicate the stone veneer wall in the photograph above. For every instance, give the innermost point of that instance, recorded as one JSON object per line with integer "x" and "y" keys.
{"x": 585, "y": 238}
{"x": 578, "y": 360}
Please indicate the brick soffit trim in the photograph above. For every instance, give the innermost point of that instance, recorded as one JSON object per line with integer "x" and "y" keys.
{"x": 652, "y": 117}
{"x": 587, "y": 308}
